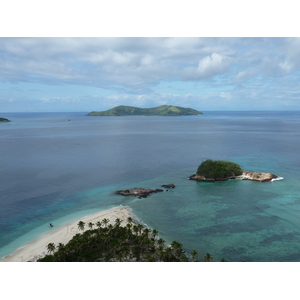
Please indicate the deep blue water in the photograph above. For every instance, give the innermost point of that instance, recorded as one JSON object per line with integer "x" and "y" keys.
{"x": 57, "y": 166}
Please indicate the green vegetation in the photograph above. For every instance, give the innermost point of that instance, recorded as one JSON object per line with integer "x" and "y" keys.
{"x": 218, "y": 169}
{"x": 4, "y": 120}
{"x": 116, "y": 243}
{"x": 164, "y": 110}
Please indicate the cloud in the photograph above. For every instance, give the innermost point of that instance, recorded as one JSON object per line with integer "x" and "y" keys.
{"x": 137, "y": 71}
{"x": 131, "y": 63}
{"x": 60, "y": 100}
{"x": 208, "y": 66}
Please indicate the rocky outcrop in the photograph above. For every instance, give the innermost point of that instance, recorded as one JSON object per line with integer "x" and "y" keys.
{"x": 168, "y": 186}
{"x": 202, "y": 178}
{"x": 143, "y": 193}
{"x": 247, "y": 175}
{"x": 257, "y": 176}
{"x": 137, "y": 192}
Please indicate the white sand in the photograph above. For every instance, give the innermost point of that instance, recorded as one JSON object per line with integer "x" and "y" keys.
{"x": 38, "y": 248}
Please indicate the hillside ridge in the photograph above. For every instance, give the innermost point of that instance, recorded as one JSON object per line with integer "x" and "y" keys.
{"x": 163, "y": 110}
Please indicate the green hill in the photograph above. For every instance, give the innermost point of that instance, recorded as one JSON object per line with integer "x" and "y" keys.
{"x": 164, "y": 110}
{"x": 218, "y": 169}
{"x": 4, "y": 120}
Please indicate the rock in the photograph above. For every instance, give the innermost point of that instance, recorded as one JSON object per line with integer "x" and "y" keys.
{"x": 202, "y": 178}
{"x": 257, "y": 176}
{"x": 168, "y": 186}
{"x": 247, "y": 175}
{"x": 138, "y": 192}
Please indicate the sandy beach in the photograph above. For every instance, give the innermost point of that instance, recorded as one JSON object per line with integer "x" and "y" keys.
{"x": 37, "y": 248}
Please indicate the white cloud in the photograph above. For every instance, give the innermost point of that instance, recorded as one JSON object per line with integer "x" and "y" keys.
{"x": 208, "y": 66}
{"x": 245, "y": 74}
{"x": 214, "y": 64}
{"x": 131, "y": 69}
{"x": 135, "y": 63}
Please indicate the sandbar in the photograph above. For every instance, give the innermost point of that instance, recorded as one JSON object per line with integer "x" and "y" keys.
{"x": 38, "y": 248}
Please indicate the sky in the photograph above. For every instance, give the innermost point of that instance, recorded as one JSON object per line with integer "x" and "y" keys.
{"x": 85, "y": 74}
{"x": 46, "y": 70}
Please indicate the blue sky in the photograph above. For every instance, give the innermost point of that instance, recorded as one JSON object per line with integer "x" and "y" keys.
{"x": 85, "y": 74}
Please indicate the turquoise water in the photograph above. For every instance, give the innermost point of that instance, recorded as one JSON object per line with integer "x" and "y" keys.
{"x": 55, "y": 170}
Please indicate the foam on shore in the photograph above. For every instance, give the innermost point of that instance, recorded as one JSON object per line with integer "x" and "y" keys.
{"x": 38, "y": 248}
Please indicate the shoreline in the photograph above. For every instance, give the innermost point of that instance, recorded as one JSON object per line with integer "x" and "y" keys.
{"x": 246, "y": 175}
{"x": 38, "y": 248}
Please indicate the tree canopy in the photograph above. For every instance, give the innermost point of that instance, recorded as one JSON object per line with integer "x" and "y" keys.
{"x": 218, "y": 169}
{"x": 115, "y": 243}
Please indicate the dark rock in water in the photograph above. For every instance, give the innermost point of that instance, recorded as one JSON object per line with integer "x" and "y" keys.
{"x": 168, "y": 186}
{"x": 138, "y": 192}
{"x": 202, "y": 178}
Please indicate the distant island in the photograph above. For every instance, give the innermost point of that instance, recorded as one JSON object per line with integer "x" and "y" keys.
{"x": 221, "y": 170}
{"x": 4, "y": 120}
{"x": 164, "y": 110}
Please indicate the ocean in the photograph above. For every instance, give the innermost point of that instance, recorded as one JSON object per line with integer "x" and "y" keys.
{"x": 59, "y": 166}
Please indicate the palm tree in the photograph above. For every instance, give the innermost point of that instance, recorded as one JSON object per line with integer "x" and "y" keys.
{"x": 154, "y": 233}
{"x": 129, "y": 232}
{"x": 110, "y": 230}
{"x": 161, "y": 242}
{"x": 146, "y": 232}
{"x": 140, "y": 228}
{"x": 208, "y": 257}
{"x": 51, "y": 247}
{"x": 81, "y": 225}
{"x": 177, "y": 247}
{"x": 105, "y": 221}
{"x": 61, "y": 247}
{"x": 168, "y": 254}
{"x": 90, "y": 224}
{"x": 61, "y": 251}
{"x": 135, "y": 229}
{"x": 194, "y": 255}
{"x": 126, "y": 251}
{"x": 129, "y": 220}
{"x": 118, "y": 222}
{"x": 99, "y": 224}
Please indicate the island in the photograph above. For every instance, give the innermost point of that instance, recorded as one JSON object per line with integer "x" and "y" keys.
{"x": 163, "y": 110}
{"x": 4, "y": 120}
{"x": 222, "y": 170}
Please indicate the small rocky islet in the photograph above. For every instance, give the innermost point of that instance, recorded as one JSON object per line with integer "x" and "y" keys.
{"x": 222, "y": 170}
{"x": 208, "y": 171}
{"x": 143, "y": 193}
{"x": 4, "y": 120}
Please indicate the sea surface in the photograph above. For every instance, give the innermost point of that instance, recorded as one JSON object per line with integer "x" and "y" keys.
{"x": 60, "y": 166}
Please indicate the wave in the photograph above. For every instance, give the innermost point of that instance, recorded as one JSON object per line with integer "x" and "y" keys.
{"x": 278, "y": 178}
